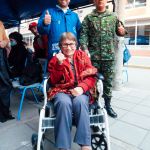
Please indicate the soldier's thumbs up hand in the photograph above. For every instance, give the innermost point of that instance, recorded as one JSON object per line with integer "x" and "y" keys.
{"x": 47, "y": 18}
{"x": 121, "y": 29}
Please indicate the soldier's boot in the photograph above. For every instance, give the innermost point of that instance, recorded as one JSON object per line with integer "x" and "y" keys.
{"x": 109, "y": 109}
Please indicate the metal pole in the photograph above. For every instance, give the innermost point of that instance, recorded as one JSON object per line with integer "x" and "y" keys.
{"x": 120, "y": 4}
{"x": 19, "y": 26}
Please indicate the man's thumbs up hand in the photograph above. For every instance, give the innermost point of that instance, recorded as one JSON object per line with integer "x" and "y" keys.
{"x": 47, "y": 12}
{"x": 47, "y": 18}
{"x": 121, "y": 29}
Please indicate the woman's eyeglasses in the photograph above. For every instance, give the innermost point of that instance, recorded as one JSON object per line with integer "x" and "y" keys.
{"x": 65, "y": 45}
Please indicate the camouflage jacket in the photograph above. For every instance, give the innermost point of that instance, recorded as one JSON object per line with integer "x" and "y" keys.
{"x": 98, "y": 34}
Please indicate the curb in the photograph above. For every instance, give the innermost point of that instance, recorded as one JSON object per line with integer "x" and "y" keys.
{"x": 135, "y": 66}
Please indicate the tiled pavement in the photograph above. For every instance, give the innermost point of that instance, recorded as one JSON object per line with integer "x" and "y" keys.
{"x": 130, "y": 131}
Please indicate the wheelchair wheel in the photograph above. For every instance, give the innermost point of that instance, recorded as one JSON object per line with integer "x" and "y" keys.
{"x": 95, "y": 129}
{"x": 98, "y": 142}
{"x": 34, "y": 140}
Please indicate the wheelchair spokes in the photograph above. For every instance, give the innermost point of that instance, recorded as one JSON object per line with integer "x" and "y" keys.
{"x": 98, "y": 142}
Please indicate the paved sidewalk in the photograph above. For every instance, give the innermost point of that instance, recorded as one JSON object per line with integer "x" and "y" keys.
{"x": 131, "y": 131}
{"x": 139, "y": 62}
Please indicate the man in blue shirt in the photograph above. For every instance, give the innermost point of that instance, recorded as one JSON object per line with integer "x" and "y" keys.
{"x": 55, "y": 21}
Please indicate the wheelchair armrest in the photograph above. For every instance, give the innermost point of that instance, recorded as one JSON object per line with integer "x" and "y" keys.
{"x": 100, "y": 76}
{"x": 45, "y": 90}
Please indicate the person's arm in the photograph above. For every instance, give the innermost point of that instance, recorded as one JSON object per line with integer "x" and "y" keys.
{"x": 84, "y": 35}
{"x": 56, "y": 71}
{"x": 78, "y": 28}
{"x": 8, "y": 49}
{"x": 44, "y": 23}
{"x": 88, "y": 76}
{"x": 4, "y": 39}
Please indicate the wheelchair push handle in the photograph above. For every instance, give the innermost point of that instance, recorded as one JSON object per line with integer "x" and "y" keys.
{"x": 100, "y": 76}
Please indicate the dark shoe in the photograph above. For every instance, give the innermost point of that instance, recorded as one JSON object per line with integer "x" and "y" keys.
{"x": 111, "y": 112}
{"x": 10, "y": 117}
{"x": 2, "y": 119}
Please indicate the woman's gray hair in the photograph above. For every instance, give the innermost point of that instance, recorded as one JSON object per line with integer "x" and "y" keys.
{"x": 69, "y": 36}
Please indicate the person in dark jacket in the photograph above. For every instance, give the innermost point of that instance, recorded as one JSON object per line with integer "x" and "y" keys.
{"x": 5, "y": 84}
{"x": 55, "y": 21}
{"x": 18, "y": 54}
{"x": 40, "y": 43}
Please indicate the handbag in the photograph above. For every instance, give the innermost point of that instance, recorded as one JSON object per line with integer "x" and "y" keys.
{"x": 32, "y": 73}
{"x": 126, "y": 55}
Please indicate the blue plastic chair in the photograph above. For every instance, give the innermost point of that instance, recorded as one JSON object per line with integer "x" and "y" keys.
{"x": 125, "y": 73}
{"x": 31, "y": 87}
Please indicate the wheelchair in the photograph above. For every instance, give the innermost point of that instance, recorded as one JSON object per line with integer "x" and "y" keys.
{"x": 100, "y": 139}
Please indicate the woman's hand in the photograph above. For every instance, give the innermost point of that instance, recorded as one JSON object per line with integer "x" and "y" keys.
{"x": 60, "y": 56}
{"x": 77, "y": 91}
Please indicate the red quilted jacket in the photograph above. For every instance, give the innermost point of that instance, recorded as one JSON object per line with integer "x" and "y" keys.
{"x": 62, "y": 77}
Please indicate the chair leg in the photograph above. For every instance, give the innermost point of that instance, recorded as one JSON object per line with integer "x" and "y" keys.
{"x": 21, "y": 103}
{"x": 40, "y": 130}
{"x": 35, "y": 97}
{"x": 127, "y": 76}
{"x": 40, "y": 89}
{"x": 107, "y": 129}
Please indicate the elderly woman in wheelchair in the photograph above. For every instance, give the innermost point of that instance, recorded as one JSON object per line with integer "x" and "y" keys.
{"x": 75, "y": 99}
{"x": 71, "y": 77}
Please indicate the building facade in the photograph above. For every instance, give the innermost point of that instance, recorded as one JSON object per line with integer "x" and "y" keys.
{"x": 137, "y": 22}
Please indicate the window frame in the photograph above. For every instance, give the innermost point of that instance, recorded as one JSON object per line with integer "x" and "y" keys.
{"x": 136, "y": 24}
{"x": 134, "y": 5}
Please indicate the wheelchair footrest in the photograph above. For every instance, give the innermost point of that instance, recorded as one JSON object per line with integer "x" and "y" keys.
{"x": 96, "y": 119}
{"x": 48, "y": 122}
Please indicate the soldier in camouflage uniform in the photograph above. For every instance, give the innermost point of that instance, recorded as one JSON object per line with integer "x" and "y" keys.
{"x": 97, "y": 38}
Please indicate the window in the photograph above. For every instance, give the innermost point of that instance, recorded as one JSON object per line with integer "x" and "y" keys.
{"x": 135, "y": 3}
{"x": 141, "y": 37}
{"x": 28, "y": 38}
{"x": 130, "y": 37}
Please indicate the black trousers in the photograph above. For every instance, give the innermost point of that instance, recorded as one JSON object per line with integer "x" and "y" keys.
{"x": 4, "y": 99}
{"x": 5, "y": 86}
